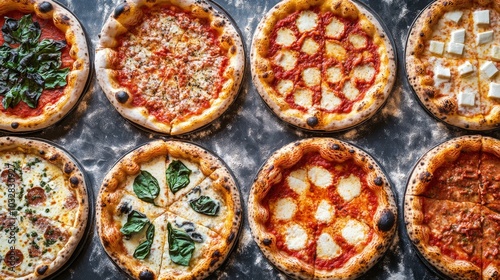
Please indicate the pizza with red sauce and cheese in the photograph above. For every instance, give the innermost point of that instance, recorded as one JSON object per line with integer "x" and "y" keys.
{"x": 321, "y": 208}
{"x": 44, "y": 64}
{"x": 322, "y": 65}
{"x": 171, "y": 65}
{"x": 43, "y": 208}
{"x": 452, "y": 208}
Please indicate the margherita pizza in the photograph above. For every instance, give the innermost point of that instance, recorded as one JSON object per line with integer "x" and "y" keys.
{"x": 169, "y": 65}
{"x": 451, "y": 207}
{"x": 168, "y": 210}
{"x": 452, "y": 60}
{"x": 44, "y": 64}
{"x": 43, "y": 208}
{"x": 323, "y": 209}
{"x": 322, "y": 65}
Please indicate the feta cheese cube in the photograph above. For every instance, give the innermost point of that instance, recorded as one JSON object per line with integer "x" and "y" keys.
{"x": 495, "y": 53}
{"x": 482, "y": 17}
{"x": 455, "y": 48}
{"x": 442, "y": 73}
{"x": 466, "y": 98}
{"x": 484, "y": 37}
{"x": 489, "y": 69}
{"x": 458, "y": 36}
{"x": 465, "y": 68}
{"x": 454, "y": 16}
{"x": 494, "y": 91}
{"x": 436, "y": 47}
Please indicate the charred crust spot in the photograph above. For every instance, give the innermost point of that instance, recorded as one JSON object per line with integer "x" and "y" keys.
{"x": 378, "y": 181}
{"x": 336, "y": 147}
{"x": 351, "y": 151}
{"x": 267, "y": 241}
{"x": 45, "y": 7}
{"x": 213, "y": 262}
{"x": 447, "y": 107}
{"x": 68, "y": 168}
{"x": 386, "y": 221}
{"x": 121, "y": 96}
{"x": 265, "y": 75}
{"x": 429, "y": 92}
{"x": 42, "y": 152}
{"x": 238, "y": 212}
{"x": 42, "y": 269}
{"x": 231, "y": 237}
{"x": 14, "y": 125}
{"x": 232, "y": 50}
{"x": 54, "y": 157}
{"x": 312, "y": 121}
{"x": 65, "y": 19}
{"x": 146, "y": 275}
{"x": 120, "y": 9}
{"x": 425, "y": 176}
{"x": 74, "y": 180}
{"x": 370, "y": 166}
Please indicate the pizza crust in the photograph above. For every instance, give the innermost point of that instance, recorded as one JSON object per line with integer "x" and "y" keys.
{"x": 125, "y": 17}
{"x": 336, "y": 151}
{"x": 77, "y": 77}
{"x": 315, "y": 118}
{"x": 74, "y": 177}
{"x": 113, "y": 188}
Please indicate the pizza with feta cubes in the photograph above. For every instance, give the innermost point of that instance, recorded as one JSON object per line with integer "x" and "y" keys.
{"x": 322, "y": 65}
{"x": 171, "y": 66}
{"x": 452, "y": 60}
{"x": 44, "y": 208}
{"x": 44, "y": 64}
{"x": 321, "y": 208}
{"x": 452, "y": 211}
{"x": 168, "y": 210}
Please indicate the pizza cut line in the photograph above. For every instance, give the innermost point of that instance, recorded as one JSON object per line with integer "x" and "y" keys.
{"x": 451, "y": 207}
{"x": 322, "y": 65}
{"x": 452, "y": 63}
{"x": 320, "y": 208}
{"x": 168, "y": 210}
{"x": 171, "y": 66}
{"x": 45, "y": 64}
{"x": 44, "y": 208}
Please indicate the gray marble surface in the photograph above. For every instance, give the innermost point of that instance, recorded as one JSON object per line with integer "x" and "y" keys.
{"x": 247, "y": 134}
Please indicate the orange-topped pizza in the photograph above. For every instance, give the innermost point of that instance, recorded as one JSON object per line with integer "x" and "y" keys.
{"x": 322, "y": 65}
{"x": 451, "y": 207}
{"x": 321, "y": 208}
{"x": 452, "y": 57}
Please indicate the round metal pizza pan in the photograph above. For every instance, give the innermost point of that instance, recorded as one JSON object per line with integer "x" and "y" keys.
{"x": 84, "y": 241}
{"x": 238, "y": 235}
{"x": 391, "y": 186}
{"x": 364, "y": 7}
{"x": 219, "y": 9}
{"x": 86, "y": 87}
{"x": 415, "y": 93}
{"x": 426, "y": 263}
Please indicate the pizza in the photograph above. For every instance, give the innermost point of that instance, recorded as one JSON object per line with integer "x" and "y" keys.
{"x": 452, "y": 55}
{"x": 451, "y": 207}
{"x": 321, "y": 208}
{"x": 171, "y": 66}
{"x": 44, "y": 208}
{"x": 168, "y": 210}
{"x": 322, "y": 65}
{"x": 44, "y": 64}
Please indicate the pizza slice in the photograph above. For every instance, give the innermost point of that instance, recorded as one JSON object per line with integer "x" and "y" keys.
{"x": 489, "y": 88}
{"x": 191, "y": 250}
{"x": 211, "y": 203}
{"x": 485, "y": 22}
{"x": 182, "y": 176}
{"x": 448, "y": 234}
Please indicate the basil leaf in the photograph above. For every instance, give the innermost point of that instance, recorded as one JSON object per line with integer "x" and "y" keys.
{"x": 177, "y": 176}
{"x": 205, "y": 205}
{"x": 143, "y": 250}
{"x": 180, "y": 246}
{"x": 136, "y": 221}
{"x": 146, "y": 186}
{"x": 20, "y": 31}
{"x": 55, "y": 78}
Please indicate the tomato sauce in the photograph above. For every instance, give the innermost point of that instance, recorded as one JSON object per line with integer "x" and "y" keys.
{"x": 49, "y": 96}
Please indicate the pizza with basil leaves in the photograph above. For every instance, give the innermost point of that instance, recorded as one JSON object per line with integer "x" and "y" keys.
{"x": 168, "y": 210}
{"x": 44, "y": 64}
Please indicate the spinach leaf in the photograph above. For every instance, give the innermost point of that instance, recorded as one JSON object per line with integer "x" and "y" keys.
{"x": 136, "y": 221}
{"x": 28, "y": 66}
{"x": 143, "y": 250}
{"x": 177, "y": 176}
{"x": 146, "y": 186}
{"x": 205, "y": 205}
{"x": 180, "y": 246}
